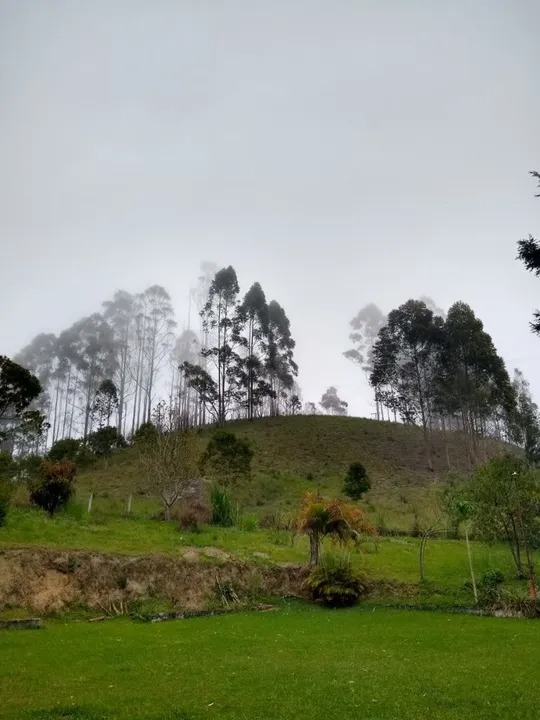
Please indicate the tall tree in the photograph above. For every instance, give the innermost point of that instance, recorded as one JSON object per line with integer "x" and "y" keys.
{"x": 120, "y": 313}
{"x": 253, "y": 317}
{"x": 221, "y": 322}
{"x": 280, "y": 365}
{"x": 525, "y": 420}
{"x": 332, "y": 404}
{"x": 529, "y": 254}
{"x": 365, "y": 329}
{"x": 473, "y": 386}
{"x": 90, "y": 348}
{"x": 404, "y": 364}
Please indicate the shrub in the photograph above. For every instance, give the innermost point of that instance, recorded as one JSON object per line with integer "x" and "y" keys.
{"x": 357, "y": 481}
{"x": 146, "y": 433}
{"x": 511, "y": 602}
{"x": 227, "y": 458}
{"x": 191, "y": 515}
{"x": 54, "y": 486}
{"x": 249, "y": 523}
{"x": 105, "y": 440}
{"x": 66, "y": 449}
{"x": 492, "y": 579}
{"x": 5, "y": 500}
{"x": 334, "y": 582}
{"x": 222, "y": 508}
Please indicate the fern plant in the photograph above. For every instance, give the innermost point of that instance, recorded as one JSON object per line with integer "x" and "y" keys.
{"x": 335, "y": 583}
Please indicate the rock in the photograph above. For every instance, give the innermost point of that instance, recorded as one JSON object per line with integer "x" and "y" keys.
{"x": 263, "y": 556}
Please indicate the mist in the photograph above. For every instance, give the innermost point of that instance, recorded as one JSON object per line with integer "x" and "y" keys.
{"x": 336, "y": 153}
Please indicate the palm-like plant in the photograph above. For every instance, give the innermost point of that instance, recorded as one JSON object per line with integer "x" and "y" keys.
{"x": 322, "y": 517}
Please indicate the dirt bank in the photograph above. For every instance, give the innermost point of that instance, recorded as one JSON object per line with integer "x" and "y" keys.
{"x": 46, "y": 580}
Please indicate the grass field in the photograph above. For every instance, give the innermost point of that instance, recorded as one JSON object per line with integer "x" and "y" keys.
{"x": 300, "y": 453}
{"x": 390, "y": 558}
{"x": 299, "y": 662}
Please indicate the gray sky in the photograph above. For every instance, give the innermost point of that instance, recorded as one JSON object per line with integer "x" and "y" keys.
{"x": 339, "y": 152}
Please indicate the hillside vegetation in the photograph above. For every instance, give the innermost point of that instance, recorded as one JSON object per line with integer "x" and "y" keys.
{"x": 298, "y": 453}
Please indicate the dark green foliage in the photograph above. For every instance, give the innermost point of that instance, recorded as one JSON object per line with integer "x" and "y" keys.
{"x": 227, "y": 458}
{"x": 529, "y": 254}
{"x": 334, "y": 582}
{"x": 357, "y": 481}
{"x": 492, "y": 579}
{"x": 105, "y": 440}
{"x": 54, "y": 486}
{"x": 5, "y": 500}
{"x": 146, "y": 433}
{"x": 66, "y": 449}
{"x": 222, "y": 508}
{"x": 18, "y": 387}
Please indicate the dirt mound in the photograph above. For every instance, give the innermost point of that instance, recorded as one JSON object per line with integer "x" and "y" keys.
{"x": 47, "y": 580}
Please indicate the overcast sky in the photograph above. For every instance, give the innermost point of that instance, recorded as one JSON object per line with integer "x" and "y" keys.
{"x": 339, "y": 152}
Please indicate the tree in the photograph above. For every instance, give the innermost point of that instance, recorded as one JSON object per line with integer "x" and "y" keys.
{"x": 332, "y": 404}
{"x": 365, "y": 328}
{"x": 464, "y": 512}
{"x": 90, "y": 349}
{"x": 227, "y": 458}
{"x": 220, "y": 322}
{"x": 54, "y": 486}
{"x": 472, "y": 384}
{"x": 340, "y": 521}
{"x": 506, "y": 494}
{"x": 253, "y": 317}
{"x": 525, "y": 419}
{"x": 104, "y": 440}
{"x": 105, "y": 403}
{"x": 169, "y": 467}
{"x": 529, "y": 254}
{"x": 66, "y": 449}
{"x": 357, "y": 482}
{"x": 280, "y": 365}
{"x": 404, "y": 364}
{"x": 18, "y": 388}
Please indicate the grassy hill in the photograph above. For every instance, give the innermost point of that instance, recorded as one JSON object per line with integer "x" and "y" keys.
{"x": 295, "y": 454}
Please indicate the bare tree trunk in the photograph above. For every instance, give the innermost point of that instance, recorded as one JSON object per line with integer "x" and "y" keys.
{"x": 473, "y": 579}
{"x": 314, "y": 544}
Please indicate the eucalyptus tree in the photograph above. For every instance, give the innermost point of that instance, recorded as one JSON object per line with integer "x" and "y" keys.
{"x": 332, "y": 404}
{"x": 365, "y": 329}
{"x": 281, "y": 368}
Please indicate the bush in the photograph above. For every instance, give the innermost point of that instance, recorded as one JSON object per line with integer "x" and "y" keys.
{"x": 190, "y": 516}
{"x": 146, "y": 433}
{"x": 222, "y": 508}
{"x": 54, "y": 486}
{"x": 105, "y": 440}
{"x": 334, "y": 582}
{"x": 510, "y": 602}
{"x": 357, "y": 481}
{"x": 249, "y": 523}
{"x": 492, "y": 579}
{"x": 5, "y": 500}
{"x": 66, "y": 449}
{"x": 227, "y": 458}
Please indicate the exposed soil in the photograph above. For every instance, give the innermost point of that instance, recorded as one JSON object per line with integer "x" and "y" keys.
{"x": 45, "y": 580}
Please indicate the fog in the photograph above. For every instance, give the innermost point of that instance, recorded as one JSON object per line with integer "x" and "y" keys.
{"x": 339, "y": 153}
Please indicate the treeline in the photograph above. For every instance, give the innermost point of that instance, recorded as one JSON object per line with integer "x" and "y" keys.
{"x": 442, "y": 372}
{"x": 126, "y": 366}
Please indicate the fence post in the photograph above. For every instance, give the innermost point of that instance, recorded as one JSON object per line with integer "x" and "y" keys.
{"x": 90, "y": 500}
{"x": 129, "y": 505}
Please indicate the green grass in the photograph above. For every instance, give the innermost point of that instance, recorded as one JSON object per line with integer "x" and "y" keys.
{"x": 390, "y": 558}
{"x": 300, "y": 453}
{"x": 304, "y": 663}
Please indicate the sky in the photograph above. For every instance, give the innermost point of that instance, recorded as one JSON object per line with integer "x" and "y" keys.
{"x": 339, "y": 152}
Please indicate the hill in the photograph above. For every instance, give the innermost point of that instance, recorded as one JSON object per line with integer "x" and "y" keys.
{"x": 298, "y": 453}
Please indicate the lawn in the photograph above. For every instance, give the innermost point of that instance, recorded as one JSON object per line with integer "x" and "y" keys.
{"x": 297, "y": 662}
